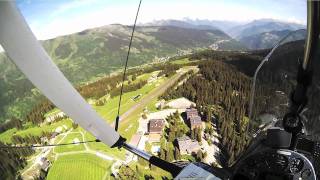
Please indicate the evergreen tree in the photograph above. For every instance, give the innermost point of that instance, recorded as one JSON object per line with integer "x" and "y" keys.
{"x": 125, "y": 172}
{"x": 199, "y": 156}
{"x": 177, "y": 154}
{"x": 170, "y": 152}
{"x": 74, "y": 125}
{"x": 198, "y": 134}
{"x": 162, "y": 153}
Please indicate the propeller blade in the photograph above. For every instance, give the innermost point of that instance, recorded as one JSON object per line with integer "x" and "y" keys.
{"x": 27, "y": 53}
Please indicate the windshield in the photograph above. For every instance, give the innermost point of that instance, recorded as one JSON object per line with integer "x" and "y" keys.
{"x": 200, "y": 81}
{"x": 274, "y": 82}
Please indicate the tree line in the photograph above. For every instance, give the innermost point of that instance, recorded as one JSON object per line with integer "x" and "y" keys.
{"x": 104, "y": 85}
{"x": 128, "y": 88}
{"x": 13, "y": 160}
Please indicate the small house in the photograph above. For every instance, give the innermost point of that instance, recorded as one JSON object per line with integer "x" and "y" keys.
{"x": 195, "y": 122}
{"x": 44, "y": 164}
{"x": 193, "y": 118}
{"x": 156, "y": 126}
{"x": 190, "y": 112}
{"x": 187, "y": 145}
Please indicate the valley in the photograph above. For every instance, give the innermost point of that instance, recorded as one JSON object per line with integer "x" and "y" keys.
{"x": 171, "y": 69}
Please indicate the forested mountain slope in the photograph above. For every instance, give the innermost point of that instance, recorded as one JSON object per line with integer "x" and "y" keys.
{"x": 96, "y": 52}
{"x": 269, "y": 39}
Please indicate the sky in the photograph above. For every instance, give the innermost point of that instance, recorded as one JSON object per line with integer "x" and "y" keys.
{"x": 52, "y": 18}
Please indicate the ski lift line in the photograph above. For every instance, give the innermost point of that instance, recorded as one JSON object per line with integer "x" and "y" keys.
{"x": 48, "y": 145}
{"x": 266, "y": 59}
{"x": 125, "y": 67}
{"x": 27, "y": 53}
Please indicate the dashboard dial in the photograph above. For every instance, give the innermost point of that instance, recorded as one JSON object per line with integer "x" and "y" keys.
{"x": 296, "y": 165}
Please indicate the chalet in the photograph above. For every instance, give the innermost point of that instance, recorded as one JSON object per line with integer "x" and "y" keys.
{"x": 187, "y": 145}
{"x": 193, "y": 118}
{"x": 195, "y": 122}
{"x": 190, "y": 112}
{"x": 44, "y": 164}
{"x": 156, "y": 126}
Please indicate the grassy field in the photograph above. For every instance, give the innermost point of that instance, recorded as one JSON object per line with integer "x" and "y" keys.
{"x": 69, "y": 139}
{"x": 6, "y": 136}
{"x": 36, "y": 130}
{"x": 79, "y": 167}
{"x": 109, "y": 110}
{"x": 151, "y": 106}
{"x": 120, "y": 154}
{"x": 155, "y": 172}
{"x": 182, "y": 61}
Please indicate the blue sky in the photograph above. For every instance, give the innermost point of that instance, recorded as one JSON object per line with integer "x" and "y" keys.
{"x": 51, "y": 18}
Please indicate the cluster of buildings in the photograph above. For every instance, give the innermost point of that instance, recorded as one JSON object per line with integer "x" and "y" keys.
{"x": 55, "y": 116}
{"x": 187, "y": 145}
{"x": 152, "y": 130}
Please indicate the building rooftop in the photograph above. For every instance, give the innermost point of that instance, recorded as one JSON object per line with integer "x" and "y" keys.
{"x": 156, "y": 125}
{"x": 44, "y": 164}
{"x": 191, "y": 112}
{"x": 187, "y": 145}
{"x": 135, "y": 140}
{"x": 195, "y": 120}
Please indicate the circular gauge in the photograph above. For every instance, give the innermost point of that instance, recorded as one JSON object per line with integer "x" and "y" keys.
{"x": 306, "y": 174}
{"x": 278, "y": 162}
{"x": 296, "y": 165}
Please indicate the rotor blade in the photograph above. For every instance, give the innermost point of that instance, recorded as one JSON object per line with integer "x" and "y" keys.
{"x": 27, "y": 53}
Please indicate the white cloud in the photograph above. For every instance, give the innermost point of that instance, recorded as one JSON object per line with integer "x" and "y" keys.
{"x": 71, "y": 5}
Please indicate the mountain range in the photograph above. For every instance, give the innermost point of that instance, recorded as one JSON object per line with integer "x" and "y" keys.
{"x": 267, "y": 40}
{"x": 257, "y": 34}
{"x": 93, "y": 53}
{"x": 97, "y": 52}
{"x": 261, "y": 26}
{"x": 234, "y": 29}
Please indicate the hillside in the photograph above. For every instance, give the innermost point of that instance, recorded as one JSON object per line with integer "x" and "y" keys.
{"x": 267, "y": 40}
{"x": 96, "y": 52}
{"x": 222, "y": 44}
{"x": 261, "y": 26}
{"x": 223, "y": 25}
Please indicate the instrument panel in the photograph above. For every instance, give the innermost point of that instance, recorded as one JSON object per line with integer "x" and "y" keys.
{"x": 276, "y": 164}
